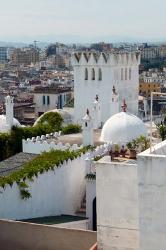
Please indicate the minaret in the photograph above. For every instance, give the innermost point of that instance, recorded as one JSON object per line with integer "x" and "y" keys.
{"x": 9, "y": 110}
{"x": 96, "y": 113}
{"x": 114, "y": 105}
{"x": 87, "y": 130}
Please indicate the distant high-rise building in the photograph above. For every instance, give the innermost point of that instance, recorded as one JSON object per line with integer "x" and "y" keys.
{"x": 3, "y": 54}
{"x": 25, "y": 56}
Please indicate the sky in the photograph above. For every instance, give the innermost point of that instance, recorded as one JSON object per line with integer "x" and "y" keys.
{"x": 82, "y": 20}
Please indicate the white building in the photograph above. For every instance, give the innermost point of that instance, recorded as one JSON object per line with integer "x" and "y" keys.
{"x": 96, "y": 74}
{"x": 49, "y": 98}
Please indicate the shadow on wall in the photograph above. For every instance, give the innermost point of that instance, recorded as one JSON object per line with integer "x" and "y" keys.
{"x": 26, "y": 236}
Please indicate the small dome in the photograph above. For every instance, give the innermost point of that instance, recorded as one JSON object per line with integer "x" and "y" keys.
{"x": 4, "y": 127}
{"x": 67, "y": 117}
{"x": 122, "y": 128}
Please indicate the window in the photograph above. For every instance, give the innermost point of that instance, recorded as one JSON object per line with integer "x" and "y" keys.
{"x": 126, "y": 74}
{"x": 86, "y": 124}
{"x": 122, "y": 74}
{"x": 100, "y": 74}
{"x": 129, "y": 73}
{"x": 93, "y": 74}
{"x": 86, "y": 74}
{"x": 44, "y": 101}
{"x": 48, "y": 100}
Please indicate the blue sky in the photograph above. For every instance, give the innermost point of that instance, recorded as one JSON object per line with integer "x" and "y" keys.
{"x": 82, "y": 20}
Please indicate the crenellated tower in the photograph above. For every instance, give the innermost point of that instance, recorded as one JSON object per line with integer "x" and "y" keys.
{"x": 97, "y": 73}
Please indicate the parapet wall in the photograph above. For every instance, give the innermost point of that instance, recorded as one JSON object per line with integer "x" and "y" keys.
{"x": 45, "y": 143}
{"x": 19, "y": 235}
{"x": 91, "y": 58}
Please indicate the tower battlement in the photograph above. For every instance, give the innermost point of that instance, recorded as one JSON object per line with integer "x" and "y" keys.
{"x": 93, "y": 58}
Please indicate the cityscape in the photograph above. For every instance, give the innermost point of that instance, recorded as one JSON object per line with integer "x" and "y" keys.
{"x": 82, "y": 125}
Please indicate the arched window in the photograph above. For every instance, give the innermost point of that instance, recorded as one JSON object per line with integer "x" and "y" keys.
{"x": 100, "y": 74}
{"x": 122, "y": 74}
{"x": 129, "y": 73}
{"x": 93, "y": 74}
{"x": 86, "y": 74}
{"x": 126, "y": 74}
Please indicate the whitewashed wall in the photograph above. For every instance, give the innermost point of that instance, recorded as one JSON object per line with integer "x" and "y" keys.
{"x": 117, "y": 205}
{"x": 37, "y": 147}
{"x": 53, "y": 193}
{"x": 152, "y": 198}
{"x": 90, "y": 195}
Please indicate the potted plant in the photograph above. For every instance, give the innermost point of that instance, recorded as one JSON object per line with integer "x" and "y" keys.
{"x": 116, "y": 152}
{"x": 123, "y": 151}
{"x": 143, "y": 143}
{"x": 132, "y": 146}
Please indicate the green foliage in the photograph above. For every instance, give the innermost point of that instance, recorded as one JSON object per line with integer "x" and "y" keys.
{"x": 142, "y": 143}
{"x": 91, "y": 176}
{"x": 71, "y": 129}
{"x": 132, "y": 145}
{"x": 25, "y": 194}
{"x": 40, "y": 164}
{"x": 162, "y": 131}
{"x": 98, "y": 157}
{"x": 52, "y": 119}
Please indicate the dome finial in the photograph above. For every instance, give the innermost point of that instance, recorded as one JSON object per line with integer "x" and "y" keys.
{"x": 97, "y": 98}
{"x": 124, "y": 106}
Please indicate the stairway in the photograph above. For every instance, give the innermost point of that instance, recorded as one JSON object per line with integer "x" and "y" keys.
{"x": 82, "y": 211}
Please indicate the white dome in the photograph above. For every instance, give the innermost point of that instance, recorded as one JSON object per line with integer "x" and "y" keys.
{"x": 67, "y": 117}
{"x": 4, "y": 127}
{"x": 122, "y": 128}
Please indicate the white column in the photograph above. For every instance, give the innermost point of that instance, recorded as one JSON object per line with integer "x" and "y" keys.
{"x": 87, "y": 130}
{"x": 96, "y": 113}
{"x": 9, "y": 110}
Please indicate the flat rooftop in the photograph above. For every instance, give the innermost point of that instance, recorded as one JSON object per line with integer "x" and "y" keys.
{"x": 77, "y": 138}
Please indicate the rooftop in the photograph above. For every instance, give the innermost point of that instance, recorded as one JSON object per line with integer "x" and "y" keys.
{"x": 14, "y": 163}
{"x": 51, "y": 220}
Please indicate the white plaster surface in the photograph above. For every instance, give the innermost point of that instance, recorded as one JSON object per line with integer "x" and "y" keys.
{"x": 117, "y": 205}
{"x": 152, "y": 198}
{"x": 53, "y": 193}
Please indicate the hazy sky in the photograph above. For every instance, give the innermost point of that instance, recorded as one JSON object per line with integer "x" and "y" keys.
{"x": 82, "y": 19}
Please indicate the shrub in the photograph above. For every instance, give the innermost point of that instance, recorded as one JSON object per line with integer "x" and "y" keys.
{"x": 52, "y": 119}
{"x": 71, "y": 129}
{"x": 162, "y": 131}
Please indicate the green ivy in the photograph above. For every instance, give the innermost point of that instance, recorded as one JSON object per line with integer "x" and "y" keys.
{"x": 42, "y": 163}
